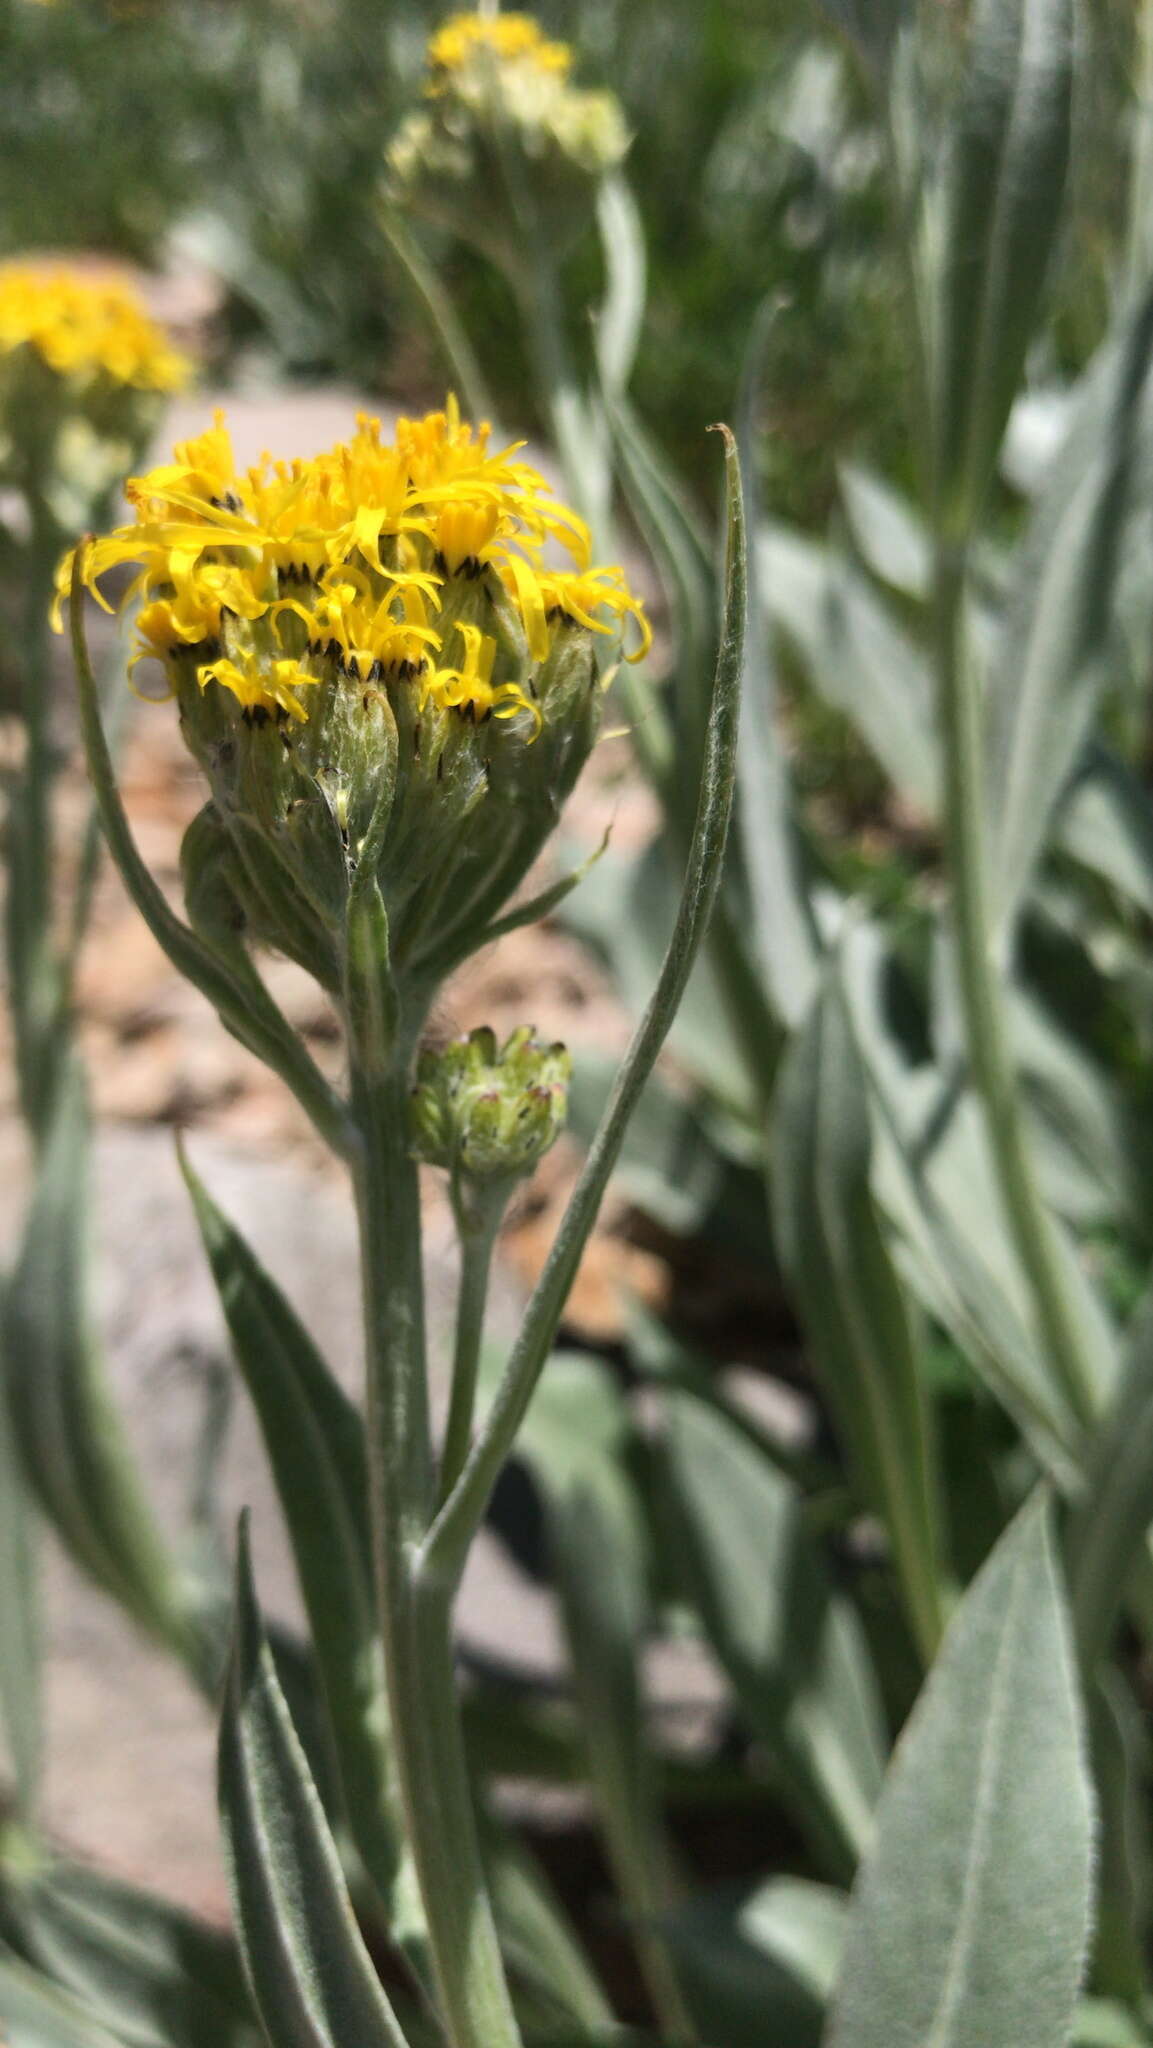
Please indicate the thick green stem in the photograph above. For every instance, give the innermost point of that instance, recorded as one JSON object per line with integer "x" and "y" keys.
{"x": 415, "y": 1615}
{"x": 477, "y": 1238}
{"x": 990, "y": 1059}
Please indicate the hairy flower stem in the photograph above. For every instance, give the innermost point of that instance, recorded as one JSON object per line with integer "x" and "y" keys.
{"x": 416, "y": 1614}
{"x": 477, "y": 1239}
{"x": 987, "y": 1040}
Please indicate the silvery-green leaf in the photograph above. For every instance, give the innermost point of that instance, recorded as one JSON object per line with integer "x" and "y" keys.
{"x": 852, "y": 1302}
{"x": 858, "y": 656}
{"x": 759, "y": 1965}
{"x": 314, "y": 1437}
{"x": 970, "y": 1923}
{"x": 1054, "y": 655}
{"x": 1007, "y": 156}
{"x": 574, "y": 1436}
{"x": 70, "y": 1439}
{"x": 1105, "y": 821}
{"x": 20, "y": 1698}
{"x": 621, "y": 313}
{"x": 776, "y": 899}
{"x": 35, "y": 2013}
{"x": 1115, "y": 1509}
{"x": 310, "y": 1974}
{"x": 144, "y": 1968}
{"x": 792, "y": 1648}
{"x": 889, "y": 536}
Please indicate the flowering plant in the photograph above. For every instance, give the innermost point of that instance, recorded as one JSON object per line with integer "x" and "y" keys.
{"x": 390, "y": 691}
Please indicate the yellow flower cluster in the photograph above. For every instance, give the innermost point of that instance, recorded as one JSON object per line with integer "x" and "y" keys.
{"x": 85, "y": 328}
{"x": 363, "y": 561}
{"x": 512, "y": 38}
{"x": 495, "y": 83}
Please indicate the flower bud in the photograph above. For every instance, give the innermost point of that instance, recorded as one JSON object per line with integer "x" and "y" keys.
{"x": 373, "y": 664}
{"x": 485, "y": 1113}
{"x": 499, "y": 109}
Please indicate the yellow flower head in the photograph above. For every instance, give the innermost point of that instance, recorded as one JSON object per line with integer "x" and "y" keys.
{"x": 85, "y": 329}
{"x": 378, "y": 665}
{"x": 511, "y": 38}
{"x": 500, "y": 106}
{"x": 375, "y": 562}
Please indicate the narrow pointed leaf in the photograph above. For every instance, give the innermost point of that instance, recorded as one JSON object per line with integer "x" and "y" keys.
{"x": 144, "y": 1968}
{"x": 779, "y": 909}
{"x": 792, "y": 1648}
{"x": 859, "y": 656}
{"x": 759, "y": 1966}
{"x": 574, "y": 1437}
{"x": 314, "y": 1437}
{"x": 1005, "y": 179}
{"x": 622, "y": 310}
{"x": 310, "y": 1974}
{"x": 1054, "y": 658}
{"x": 35, "y": 2013}
{"x": 851, "y": 1300}
{"x": 541, "y": 1950}
{"x": 21, "y": 1715}
{"x": 970, "y": 1922}
{"x": 1115, "y": 1510}
{"x": 70, "y": 1439}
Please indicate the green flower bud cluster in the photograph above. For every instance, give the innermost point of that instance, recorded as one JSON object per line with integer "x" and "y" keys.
{"x": 488, "y": 1113}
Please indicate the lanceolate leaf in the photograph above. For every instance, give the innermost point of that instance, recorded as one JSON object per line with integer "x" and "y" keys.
{"x": 1115, "y": 1510}
{"x": 1005, "y": 180}
{"x": 872, "y": 24}
{"x": 315, "y": 1442}
{"x": 20, "y": 1703}
{"x": 310, "y": 1973}
{"x": 69, "y": 1436}
{"x": 35, "y": 2013}
{"x": 759, "y": 1966}
{"x": 314, "y": 1437}
{"x": 970, "y": 1922}
{"x": 574, "y": 1436}
{"x": 1052, "y": 662}
{"x": 144, "y": 1968}
{"x": 779, "y": 912}
{"x": 793, "y": 1649}
{"x": 542, "y": 1953}
{"x": 852, "y": 1304}
{"x": 858, "y": 654}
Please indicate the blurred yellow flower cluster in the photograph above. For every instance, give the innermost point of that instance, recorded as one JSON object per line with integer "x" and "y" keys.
{"x": 85, "y": 329}
{"x": 510, "y": 38}
{"x": 499, "y": 105}
{"x": 406, "y": 563}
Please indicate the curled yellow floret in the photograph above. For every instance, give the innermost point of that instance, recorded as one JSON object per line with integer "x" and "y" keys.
{"x": 86, "y": 328}
{"x": 513, "y": 38}
{"x": 373, "y": 563}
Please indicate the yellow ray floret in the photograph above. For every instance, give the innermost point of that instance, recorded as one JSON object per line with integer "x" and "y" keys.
{"x": 469, "y": 687}
{"x": 585, "y": 594}
{"x": 344, "y": 563}
{"x": 262, "y": 685}
{"x": 86, "y": 328}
